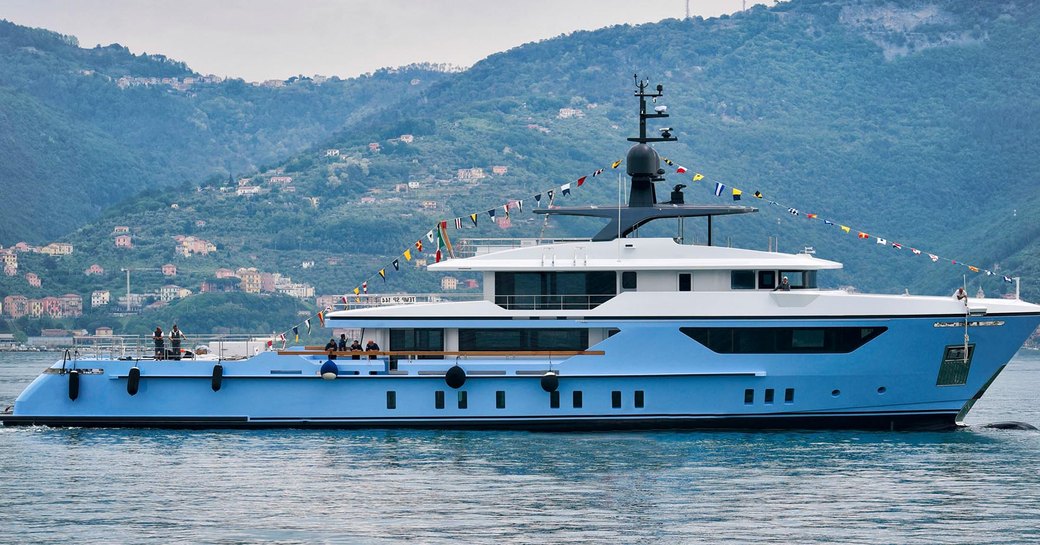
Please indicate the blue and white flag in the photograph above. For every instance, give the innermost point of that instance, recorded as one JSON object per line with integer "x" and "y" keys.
{"x": 718, "y": 189}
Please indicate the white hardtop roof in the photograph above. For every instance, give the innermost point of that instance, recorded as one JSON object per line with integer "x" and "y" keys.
{"x": 633, "y": 254}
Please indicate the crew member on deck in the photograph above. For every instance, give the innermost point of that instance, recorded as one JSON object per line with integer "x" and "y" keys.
{"x": 342, "y": 346}
{"x": 960, "y": 294}
{"x": 330, "y": 347}
{"x": 355, "y": 347}
{"x": 175, "y": 342}
{"x": 160, "y": 343}
{"x": 371, "y": 347}
{"x": 785, "y": 285}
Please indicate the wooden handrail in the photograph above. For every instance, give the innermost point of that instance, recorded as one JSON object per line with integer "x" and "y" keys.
{"x": 318, "y": 352}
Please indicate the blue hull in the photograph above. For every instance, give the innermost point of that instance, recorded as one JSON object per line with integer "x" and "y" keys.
{"x": 650, "y": 377}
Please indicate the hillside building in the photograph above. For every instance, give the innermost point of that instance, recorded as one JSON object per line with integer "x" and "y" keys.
{"x": 449, "y": 283}
{"x": 250, "y": 280}
{"x": 124, "y": 241}
{"x": 57, "y": 248}
{"x": 99, "y": 298}
{"x": 169, "y": 269}
{"x": 33, "y": 280}
{"x": 475, "y": 173}
{"x": 94, "y": 269}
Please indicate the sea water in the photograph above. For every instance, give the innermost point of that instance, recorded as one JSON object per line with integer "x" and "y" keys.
{"x": 974, "y": 485}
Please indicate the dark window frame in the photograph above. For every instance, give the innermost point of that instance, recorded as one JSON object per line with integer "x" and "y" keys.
{"x": 784, "y": 340}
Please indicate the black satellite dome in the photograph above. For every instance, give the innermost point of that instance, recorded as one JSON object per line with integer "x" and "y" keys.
{"x": 642, "y": 160}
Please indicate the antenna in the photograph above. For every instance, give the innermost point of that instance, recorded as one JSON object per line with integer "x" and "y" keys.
{"x": 687, "y": 9}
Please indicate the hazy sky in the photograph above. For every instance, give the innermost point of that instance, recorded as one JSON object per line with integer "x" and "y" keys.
{"x": 265, "y": 39}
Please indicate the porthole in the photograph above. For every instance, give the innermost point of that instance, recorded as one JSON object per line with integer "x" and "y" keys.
{"x": 881, "y": 389}
{"x": 835, "y": 393}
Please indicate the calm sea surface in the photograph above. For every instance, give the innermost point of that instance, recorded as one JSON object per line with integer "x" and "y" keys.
{"x": 286, "y": 486}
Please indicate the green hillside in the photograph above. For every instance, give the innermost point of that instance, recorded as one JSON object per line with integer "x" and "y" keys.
{"x": 86, "y": 128}
{"x": 912, "y": 120}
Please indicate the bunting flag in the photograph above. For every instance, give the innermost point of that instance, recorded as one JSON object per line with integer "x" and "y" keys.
{"x": 429, "y": 236}
{"x": 597, "y": 172}
{"x": 446, "y": 242}
{"x": 581, "y": 180}
{"x": 491, "y": 214}
{"x": 680, "y": 170}
{"x": 307, "y": 323}
{"x": 296, "y": 334}
{"x": 538, "y": 198}
{"x": 397, "y": 264}
{"x": 736, "y": 192}
{"x": 437, "y": 256}
{"x": 1007, "y": 279}
{"x": 321, "y": 318}
{"x": 520, "y": 206}
{"x": 364, "y": 286}
{"x": 565, "y": 189}
{"x": 505, "y": 208}
{"x": 473, "y": 218}
{"x": 458, "y": 223}
{"x": 667, "y": 161}
{"x": 282, "y": 338}
{"x": 616, "y": 164}
{"x": 382, "y": 274}
{"x": 418, "y": 246}
{"x": 551, "y": 194}
{"x": 407, "y": 255}
{"x": 343, "y": 298}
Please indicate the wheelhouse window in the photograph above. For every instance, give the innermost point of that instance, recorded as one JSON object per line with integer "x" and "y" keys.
{"x": 554, "y": 290}
{"x": 783, "y": 340}
{"x": 766, "y": 280}
{"x": 742, "y": 280}
{"x": 685, "y": 282}
{"x": 800, "y": 279}
{"x": 504, "y": 340}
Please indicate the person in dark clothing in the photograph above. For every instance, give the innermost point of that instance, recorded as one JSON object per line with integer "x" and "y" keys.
{"x": 785, "y": 285}
{"x": 371, "y": 347}
{"x": 175, "y": 342}
{"x": 330, "y": 347}
{"x": 355, "y": 347}
{"x": 342, "y": 347}
{"x": 160, "y": 343}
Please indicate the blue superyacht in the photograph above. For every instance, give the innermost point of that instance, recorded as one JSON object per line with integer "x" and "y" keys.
{"x": 613, "y": 332}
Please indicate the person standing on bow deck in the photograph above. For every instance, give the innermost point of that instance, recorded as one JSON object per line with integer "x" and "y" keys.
{"x": 175, "y": 342}
{"x": 160, "y": 343}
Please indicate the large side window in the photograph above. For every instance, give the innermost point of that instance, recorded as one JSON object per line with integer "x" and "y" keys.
{"x": 742, "y": 280}
{"x": 495, "y": 340}
{"x": 554, "y": 290}
{"x": 783, "y": 340}
{"x": 418, "y": 340}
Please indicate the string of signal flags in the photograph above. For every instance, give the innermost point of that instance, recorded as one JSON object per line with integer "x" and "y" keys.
{"x": 722, "y": 190}
{"x": 438, "y": 244}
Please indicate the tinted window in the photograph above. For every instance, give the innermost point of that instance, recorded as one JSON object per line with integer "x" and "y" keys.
{"x": 554, "y": 290}
{"x": 766, "y": 280}
{"x": 523, "y": 339}
{"x": 782, "y": 340}
{"x": 800, "y": 279}
{"x": 742, "y": 280}
{"x": 628, "y": 280}
{"x": 685, "y": 281}
{"x": 417, "y": 340}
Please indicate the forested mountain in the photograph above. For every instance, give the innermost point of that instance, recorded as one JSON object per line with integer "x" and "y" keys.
{"x": 82, "y": 129}
{"x": 913, "y": 120}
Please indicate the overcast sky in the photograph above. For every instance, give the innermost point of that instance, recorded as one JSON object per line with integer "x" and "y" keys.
{"x": 268, "y": 39}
